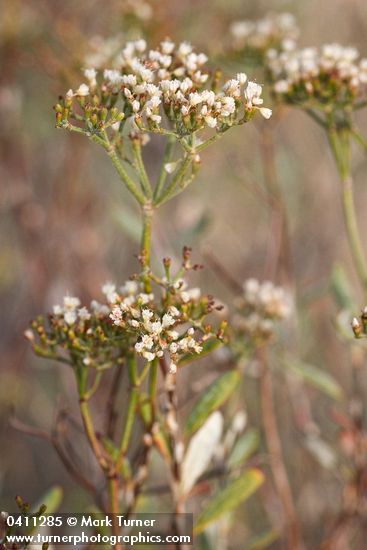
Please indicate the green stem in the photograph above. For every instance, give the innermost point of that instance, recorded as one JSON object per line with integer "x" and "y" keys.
{"x": 125, "y": 177}
{"x": 131, "y": 369}
{"x": 146, "y": 237}
{"x": 130, "y": 416}
{"x": 144, "y": 373}
{"x": 144, "y": 180}
{"x": 340, "y": 145}
{"x": 353, "y": 232}
{"x": 163, "y": 173}
{"x": 91, "y": 435}
{"x": 208, "y": 142}
{"x": 131, "y": 407}
{"x": 180, "y": 174}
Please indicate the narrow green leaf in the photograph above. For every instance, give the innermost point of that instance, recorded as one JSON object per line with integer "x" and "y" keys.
{"x": 213, "y": 397}
{"x": 232, "y": 496}
{"x": 316, "y": 377}
{"x": 244, "y": 447}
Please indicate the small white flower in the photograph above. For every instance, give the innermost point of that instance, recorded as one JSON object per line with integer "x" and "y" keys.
{"x": 90, "y": 75}
{"x": 147, "y": 314}
{"x": 266, "y": 113}
{"x": 172, "y": 368}
{"x": 167, "y": 320}
{"x": 242, "y": 78}
{"x": 170, "y": 167}
{"x": 167, "y": 46}
{"x": 84, "y": 314}
{"x": 149, "y": 356}
{"x": 135, "y": 105}
{"x": 139, "y": 347}
{"x": 184, "y": 49}
{"x": 211, "y": 121}
{"x": 129, "y": 288}
{"x": 57, "y": 310}
{"x": 156, "y": 327}
{"x": 71, "y": 303}
{"x": 147, "y": 341}
{"x": 173, "y": 348}
{"x": 82, "y": 91}
{"x": 70, "y": 317}
{"x": 173, "y": 311}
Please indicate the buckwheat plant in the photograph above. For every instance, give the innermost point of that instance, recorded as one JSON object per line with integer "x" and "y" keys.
{"x": 154, "y": 322}
{"x": 330, "y": 85}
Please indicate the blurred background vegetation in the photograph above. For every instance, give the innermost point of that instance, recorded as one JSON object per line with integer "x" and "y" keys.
{"x": 67, "y": 225}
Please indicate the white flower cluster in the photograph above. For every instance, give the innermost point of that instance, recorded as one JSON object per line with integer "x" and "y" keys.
{"x": 173, "y": 80}
{"x": 70, "y": 310}
{"x": 332, "y": 72}
{"x": 157, "y": 332}
{"x": 150, "y": 329}
{"x": 273, "y": 31}
{"x": 261, "y": 305}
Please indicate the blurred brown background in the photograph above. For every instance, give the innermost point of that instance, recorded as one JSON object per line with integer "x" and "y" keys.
{"x": 67, "y": 225}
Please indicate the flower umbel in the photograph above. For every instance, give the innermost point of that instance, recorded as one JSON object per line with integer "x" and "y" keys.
{"x": 333, "y": 76}
{"x": 168, "y": 323}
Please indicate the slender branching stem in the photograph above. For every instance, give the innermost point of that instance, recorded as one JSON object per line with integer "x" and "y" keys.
{"x": 176, "y": 179}
{"x": 340, "y": 145}
{"x": 207, "y": 142}
{"x": 91, "y": 435}
{"x": 129, "y": 421}
{"x": 125, "y": 177}
{"x": 131, "y": 408}
{"x": 146, "y": 237}
{"x": 143, "y": 176}
{"x": 163, "y": 172}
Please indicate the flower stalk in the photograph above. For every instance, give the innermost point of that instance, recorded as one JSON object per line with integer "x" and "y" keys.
{"x": 339, "y": 140}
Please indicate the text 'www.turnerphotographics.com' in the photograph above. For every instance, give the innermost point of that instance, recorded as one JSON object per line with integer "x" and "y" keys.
{"x": 74, "y": 529}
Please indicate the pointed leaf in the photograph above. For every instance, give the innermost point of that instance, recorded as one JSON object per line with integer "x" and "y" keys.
{"x": 244, "y": 447}
{"x": 232, "y": 496}
{"x": 318, "y": 378}
{"x": 215, "y": 395}
{"x": 200, "y": 451}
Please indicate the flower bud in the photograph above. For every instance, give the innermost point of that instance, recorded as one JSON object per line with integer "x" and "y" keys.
{"x": 356, "y": 327}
